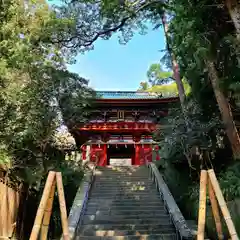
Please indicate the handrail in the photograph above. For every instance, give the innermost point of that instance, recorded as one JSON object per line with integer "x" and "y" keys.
{"x": 80, "y": 200}
{"x": 173, "y": 209}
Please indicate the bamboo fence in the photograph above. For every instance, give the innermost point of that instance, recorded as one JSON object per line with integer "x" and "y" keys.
{"x": 223, "y": 205}
{"x": 47, "y": 213}
{"x": 45, "y": 208}
{"x": 202, "y": 205}
{"x": 9, "y": 203}
{"x": 63, "y": 208}
{"x": 215, "y": 210}
{"x": 216, "y": 198}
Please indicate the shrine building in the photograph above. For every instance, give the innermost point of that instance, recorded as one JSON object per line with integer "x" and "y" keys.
{"x": 120, "y": 127}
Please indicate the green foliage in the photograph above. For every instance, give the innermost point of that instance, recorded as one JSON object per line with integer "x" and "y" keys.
{"x": 156, "y": 75}
{"x": 162, "y": 82}
{"x": 200, "y": 32}
{"x": 36, "y": 87}
{"x": 230, "y": 182}
{"x": 93, "y": 20}
{"x": 184, "y": 141}
{"x": 169, "y": 89}
{"x": 37, "y": 95}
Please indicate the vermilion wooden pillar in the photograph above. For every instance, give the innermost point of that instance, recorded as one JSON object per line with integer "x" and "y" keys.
{"x": 105, "y": 155}
{"x": 147, "y": 154}
{"x": 137, "y": 155}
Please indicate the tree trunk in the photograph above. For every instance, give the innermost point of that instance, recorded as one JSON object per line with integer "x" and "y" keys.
{"x": 225, "y": 110}
{"x": 234, "y": 12}
{"x": 176, "y": 73}
{"x": 22, "y": 212}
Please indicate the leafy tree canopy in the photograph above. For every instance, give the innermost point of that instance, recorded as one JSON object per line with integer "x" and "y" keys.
{"x": 37, "y": 92}
{"x": 157, "y": 76}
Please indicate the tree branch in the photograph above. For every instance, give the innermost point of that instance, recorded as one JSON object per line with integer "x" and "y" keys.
{"x": 101, "y": 33}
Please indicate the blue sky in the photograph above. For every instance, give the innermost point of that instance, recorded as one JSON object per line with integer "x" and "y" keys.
{"x": 112, "y": 66}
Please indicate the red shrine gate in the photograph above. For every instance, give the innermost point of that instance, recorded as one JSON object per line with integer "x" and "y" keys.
{"x": 120, "y": 128}
{"x": 131, "y": 149}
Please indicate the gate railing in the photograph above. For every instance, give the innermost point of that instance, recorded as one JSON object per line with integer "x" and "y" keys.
{"x": 80, "y": 201}
{"x": 176, "y": 216}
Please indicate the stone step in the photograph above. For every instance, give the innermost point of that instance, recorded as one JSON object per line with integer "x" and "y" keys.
{"x": 116, "y": 194}
{"x": 138, "y": 189}
{"x": 110, "y": 211}
{"x": 132, "y": 173}
{"x": 124, "y": 192}
{"x": 118, "y": 217}
{"x": 123, "y": 182}
{"x": 132, "y": 189}
{"x": 130, "y": 227}
{"x": 95, "y": 207}
{"x": 122, "y": 195}
{"x": 101, "y": 186}
{"x": 108, "y": 233}
{"x": 117, "y": 176}
{"x": 124, "y": 202}
{"x": 127, "y": 204}
{"x": 141, "y": 237}
{"x": 104, "y": 188}
{"x": 150, "y": 220}
{"x": 110, "y": 171}
{"x": 123, "y": 168}
{"x": 122, "y": 176}
{"x": 113, "y": 175}
{"x": 138, "y": 197}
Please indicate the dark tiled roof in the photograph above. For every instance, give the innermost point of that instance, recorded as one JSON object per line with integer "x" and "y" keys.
{"x": 131, "y": 95}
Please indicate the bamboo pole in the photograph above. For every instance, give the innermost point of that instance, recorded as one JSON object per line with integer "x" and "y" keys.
{"x": 202, "y": 205}
{"x": 11, "y": 211}
{"x": 1, "y": 207}
{"x": 47, "y": 213}
{"x": 42, "y": 206}
{"x": 4, "y": 209}
{"x": 215, "y": 210}
{"x": 223, "y": 205}
{"x": 63, "y": 208}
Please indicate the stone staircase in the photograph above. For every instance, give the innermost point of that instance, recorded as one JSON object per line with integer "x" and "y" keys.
{"x": 124, "y": 204}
